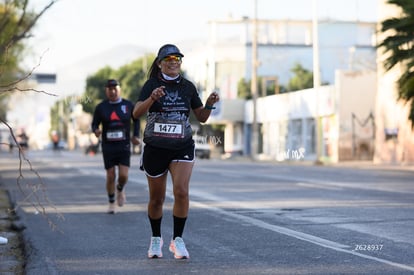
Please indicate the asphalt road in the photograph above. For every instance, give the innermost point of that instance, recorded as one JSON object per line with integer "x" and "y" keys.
{"x": 245, "y": 218}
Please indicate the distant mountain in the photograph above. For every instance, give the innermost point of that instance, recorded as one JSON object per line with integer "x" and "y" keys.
{"x": 72, "y": 79}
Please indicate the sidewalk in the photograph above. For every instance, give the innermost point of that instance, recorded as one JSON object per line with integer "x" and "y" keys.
{"x": 371, "y": 165}
{"x": 357, "y": 164}
{"x": 12, "y": 257}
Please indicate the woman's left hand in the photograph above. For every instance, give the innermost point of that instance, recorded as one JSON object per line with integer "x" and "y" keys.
{"x": 213, "y": 98}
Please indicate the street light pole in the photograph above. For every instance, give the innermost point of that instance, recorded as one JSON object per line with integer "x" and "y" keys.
{"x": 253, "y": 87}
{"x": 316, "y": 77}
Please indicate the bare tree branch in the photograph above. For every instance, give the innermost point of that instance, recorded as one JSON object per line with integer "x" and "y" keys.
{"x": 36, "y": 196}
{"x": 11, "y": 87}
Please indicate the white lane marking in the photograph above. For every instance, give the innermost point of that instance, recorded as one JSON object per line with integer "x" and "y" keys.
{"x": 271, "y": 227}
{"x": 319, "y": 186}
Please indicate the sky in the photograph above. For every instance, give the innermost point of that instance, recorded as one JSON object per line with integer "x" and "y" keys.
{"x": 76, "y": 29}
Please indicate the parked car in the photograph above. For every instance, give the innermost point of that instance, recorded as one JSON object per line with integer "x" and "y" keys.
{"x": 202, "y": 147}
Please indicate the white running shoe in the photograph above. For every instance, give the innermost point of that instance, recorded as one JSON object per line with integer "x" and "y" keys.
{"x": 155, "y": 248}
{"x": 111, "y": 208}
{"x": 120, "y": 198}
{"x": 177, "y": 247}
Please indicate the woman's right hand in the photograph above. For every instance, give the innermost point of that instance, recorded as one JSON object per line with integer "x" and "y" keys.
{"x": 157, "y": 93}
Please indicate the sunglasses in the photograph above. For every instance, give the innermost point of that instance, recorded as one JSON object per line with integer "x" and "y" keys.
{"x": 172, "y": 58}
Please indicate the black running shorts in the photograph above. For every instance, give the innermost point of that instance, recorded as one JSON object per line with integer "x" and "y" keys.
{"x": 114, "y": 158}
{"x": 155, "y": 161}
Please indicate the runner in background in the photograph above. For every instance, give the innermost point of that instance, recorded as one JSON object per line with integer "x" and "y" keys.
{"x": 114, "y": 114}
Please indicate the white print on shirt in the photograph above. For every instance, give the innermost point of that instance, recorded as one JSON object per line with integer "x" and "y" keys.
{"x": 172, "y": 96}
{"x": 124, "y": 109}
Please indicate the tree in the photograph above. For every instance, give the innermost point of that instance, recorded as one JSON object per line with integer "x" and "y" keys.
{"x": 131, "y": 77}
{"x": 243, "y": 88}
{"x": 398, "y": 46}
{"x": 16, "y": 24}
{"x": 302, "y": 79}
{"x": 95, "y": 88}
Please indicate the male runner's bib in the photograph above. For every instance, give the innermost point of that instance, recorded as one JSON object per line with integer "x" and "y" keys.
{"x": 115, "y": 135}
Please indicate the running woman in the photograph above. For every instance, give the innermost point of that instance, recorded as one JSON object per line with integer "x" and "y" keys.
{"x": 167, "y": 99}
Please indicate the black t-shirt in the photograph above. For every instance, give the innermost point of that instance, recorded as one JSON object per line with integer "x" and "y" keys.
{"x": 116, "y": 124}
{"x": 168, "y": 125}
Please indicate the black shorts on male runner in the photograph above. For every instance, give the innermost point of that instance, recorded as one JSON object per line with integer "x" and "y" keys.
{"x": 114, "y": 158}
{"x": 155, "y": 161}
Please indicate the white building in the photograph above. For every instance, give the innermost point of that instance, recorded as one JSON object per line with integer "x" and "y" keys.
{"x": 288, "y": 122}
{"x": 29, "y": 109}
{"x": 281, "y": 44}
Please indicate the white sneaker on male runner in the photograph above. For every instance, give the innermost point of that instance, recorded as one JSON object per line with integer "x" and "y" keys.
{"x": 120, "y": 198}
{"x": 111, "y": 208}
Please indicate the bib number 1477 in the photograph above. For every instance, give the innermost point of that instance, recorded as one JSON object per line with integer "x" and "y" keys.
{"x": 168, "y": 128}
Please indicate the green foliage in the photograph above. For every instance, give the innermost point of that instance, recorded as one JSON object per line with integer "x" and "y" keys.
{"x": 243, "y": 89}
{"x": 131, "y": 77}
{"x": 302, "y": 79}
{"x": 59, "y": 120}
{"x": 95, "y": 92}
{"x": 398, "y": 46}
{"x": 95, "y": 88}
{"x": 10, "y": 48}
{"x": 270, "y": 88}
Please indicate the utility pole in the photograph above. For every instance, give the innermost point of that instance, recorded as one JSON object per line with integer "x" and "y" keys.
{"x": 253, "y": 87}
{"x": 316, "y": 79}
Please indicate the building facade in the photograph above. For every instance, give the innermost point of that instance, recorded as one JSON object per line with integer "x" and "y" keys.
{"x": 297, "y": 125}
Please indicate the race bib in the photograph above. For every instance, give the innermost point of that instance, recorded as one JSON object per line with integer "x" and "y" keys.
{"x": 169, "y": 129}
{"x": 115, "y": 135}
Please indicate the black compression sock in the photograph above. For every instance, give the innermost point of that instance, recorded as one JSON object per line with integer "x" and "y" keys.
{"x": 111, "y": 198}
{"x": 179, "y": 224}
{"x": 155, "y": 226}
